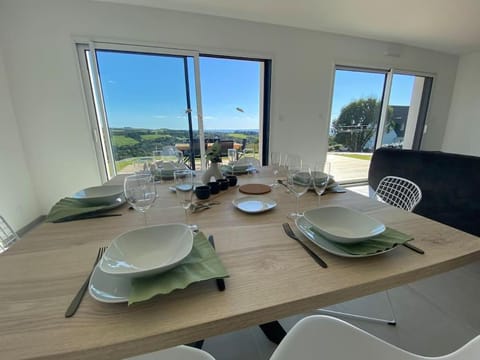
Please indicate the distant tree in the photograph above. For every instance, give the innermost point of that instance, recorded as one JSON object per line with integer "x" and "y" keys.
{"x": 357, "y": 123}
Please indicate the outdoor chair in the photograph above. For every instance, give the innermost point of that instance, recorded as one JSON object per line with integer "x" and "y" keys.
{"x": 401, "y": 193}
{"x": 241, "y": 151}
{"x": 225, "y": 145}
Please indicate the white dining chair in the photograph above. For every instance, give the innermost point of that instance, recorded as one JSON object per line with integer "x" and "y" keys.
{"x": 401, "y": 193}
{"x": 7, "y": 235}
{"x": 321, "y": 337}
{"x": 181, "y": 352}
{"x": 398, "y": 192}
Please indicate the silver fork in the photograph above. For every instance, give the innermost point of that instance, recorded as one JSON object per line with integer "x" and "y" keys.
{"x": 72, "y": 308}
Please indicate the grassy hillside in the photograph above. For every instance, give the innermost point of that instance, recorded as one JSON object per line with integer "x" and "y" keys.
{"x": 128, "y": 143}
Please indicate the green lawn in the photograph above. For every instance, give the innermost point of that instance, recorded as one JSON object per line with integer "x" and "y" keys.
{"x": 237, "y": 136}
{"x": 155, "y": 136}
{"x": 122, "y": 140}
{"x": 120, "y": 164}
{"x": 357, "y": 156}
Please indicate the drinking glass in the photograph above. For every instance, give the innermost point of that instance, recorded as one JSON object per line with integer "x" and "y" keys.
{"x": 275, "y": 161}
{"x": 184, "y": 189}
{"x": 320, "y": 178}
{"x": 140, "y": 192}
{"x": 298, "y": 182}
{"x": 292, "y": 161}
{"x": 232, "y": 156}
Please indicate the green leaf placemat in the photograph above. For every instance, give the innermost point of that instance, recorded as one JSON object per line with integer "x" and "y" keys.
{"x": 201, "y": 264}
{"x": 385, "y": 241}
{"x": 68, "y": 209}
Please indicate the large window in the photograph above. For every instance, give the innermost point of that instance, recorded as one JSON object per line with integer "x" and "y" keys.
{"x": 148, "y": 99}
{"x": 374, "y": 108}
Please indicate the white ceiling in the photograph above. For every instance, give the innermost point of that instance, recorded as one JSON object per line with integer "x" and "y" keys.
{"x": 451, "y": 26}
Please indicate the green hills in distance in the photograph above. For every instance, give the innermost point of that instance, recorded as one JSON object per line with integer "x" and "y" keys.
{"x": 132, "y": 142}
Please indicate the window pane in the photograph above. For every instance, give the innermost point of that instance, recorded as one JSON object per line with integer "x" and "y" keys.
{"x": 356, "y": 108}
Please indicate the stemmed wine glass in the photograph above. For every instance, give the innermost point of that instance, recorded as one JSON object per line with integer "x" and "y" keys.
{"x": 298, "y": 182}
{"x": 140, "y": 192}
{"x": 184, "y": 189}
{"x": 320, "y": 178}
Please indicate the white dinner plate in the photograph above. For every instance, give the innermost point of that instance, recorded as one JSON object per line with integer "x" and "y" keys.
{"x": 254, "y": 204}
{"x": 100, "y": 195}
{"x": 305, "y": 227}
{"x": 343, "y": 225}
{"x": 147, "y": 251}
{"x": 108, "y": 288}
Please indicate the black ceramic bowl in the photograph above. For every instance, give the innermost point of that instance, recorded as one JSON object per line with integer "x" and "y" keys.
{"x": 202, "y": 192}
{"x": 222, "y": 184}
{"x": 232, "y": 180}
{"x": 214, "y": 187}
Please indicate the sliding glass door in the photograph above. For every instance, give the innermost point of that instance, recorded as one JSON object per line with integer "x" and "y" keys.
{"x": 143, "y": 102}
{"x": 232, "y": 102}
{"x": 407, "y": 103}
{"x": 374, "y": 108}
{"x": 145, "y": 99}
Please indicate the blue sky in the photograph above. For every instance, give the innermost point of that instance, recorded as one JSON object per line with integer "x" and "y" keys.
{"x": 353, "y": 85}
{"x": 148, "y": 91}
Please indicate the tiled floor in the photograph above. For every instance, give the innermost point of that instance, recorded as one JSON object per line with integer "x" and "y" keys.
{"x": 435, "y": 316}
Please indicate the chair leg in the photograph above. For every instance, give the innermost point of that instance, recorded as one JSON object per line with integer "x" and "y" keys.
{"x": 273, "y": 331}
{"x": 197, "y": 344}
{"x": 392, "y": 321}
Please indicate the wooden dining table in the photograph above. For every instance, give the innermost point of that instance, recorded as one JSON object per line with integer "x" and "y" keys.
{"x": 271, "y": 275}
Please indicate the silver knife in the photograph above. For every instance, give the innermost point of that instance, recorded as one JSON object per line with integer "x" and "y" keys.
{"x": 220, "y": 282}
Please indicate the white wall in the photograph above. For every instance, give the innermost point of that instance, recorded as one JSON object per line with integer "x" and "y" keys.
{"x": 462, "y": 133}
{"x": 18, "y": 203}
{"x": 48, "y": 101}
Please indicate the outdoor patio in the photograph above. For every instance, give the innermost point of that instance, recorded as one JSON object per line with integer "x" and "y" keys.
{"x": 347, "y": 169}
{"x": 344, "y": 168}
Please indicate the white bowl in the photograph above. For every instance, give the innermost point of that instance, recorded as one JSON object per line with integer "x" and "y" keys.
{"x": 100, "y": 195}
{"x": 147, "y": 251}
{"x": 343, "y": 225}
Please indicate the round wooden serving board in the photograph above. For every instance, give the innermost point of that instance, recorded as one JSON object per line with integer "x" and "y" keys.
{"x": 255, "y": 189}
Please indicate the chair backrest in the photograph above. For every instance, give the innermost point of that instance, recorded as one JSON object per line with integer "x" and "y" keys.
{"x": 181, "y": 352}
{"x": 317, "y": 337}
{"x": 7, "y": 235}
{"x": 399, "y": 192}
{"x": 224, "y": 146}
